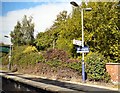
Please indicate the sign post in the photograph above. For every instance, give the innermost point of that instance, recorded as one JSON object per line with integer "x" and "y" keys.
{"x": 83, "y": 50}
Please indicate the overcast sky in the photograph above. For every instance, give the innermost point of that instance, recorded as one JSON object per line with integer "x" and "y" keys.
{"x": 43, "y": 12}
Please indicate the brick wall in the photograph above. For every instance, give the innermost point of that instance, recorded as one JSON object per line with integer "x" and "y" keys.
{"x": 114, "y": 71}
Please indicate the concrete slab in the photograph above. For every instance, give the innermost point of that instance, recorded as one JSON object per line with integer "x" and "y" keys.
{"x": 40, "y": 85}
{"x": 54, "y": 85}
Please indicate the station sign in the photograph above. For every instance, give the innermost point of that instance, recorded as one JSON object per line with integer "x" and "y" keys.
{"x": 83, "y": 50}
{"x": 77, "y": 42}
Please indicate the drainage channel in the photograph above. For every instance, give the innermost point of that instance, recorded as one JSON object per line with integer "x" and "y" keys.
{"x": 11, "y": 86}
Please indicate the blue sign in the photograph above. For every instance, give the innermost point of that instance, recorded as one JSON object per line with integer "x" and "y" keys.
{"x": 83, "y": 50}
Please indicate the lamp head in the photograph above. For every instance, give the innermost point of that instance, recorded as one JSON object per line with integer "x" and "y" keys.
{"x": 6, "y": 36}
{"x": 74, "y": 4}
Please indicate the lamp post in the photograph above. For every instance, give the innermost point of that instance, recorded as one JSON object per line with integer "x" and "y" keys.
{"x": 82, "y": 9}
{"x": 9, "y": 64}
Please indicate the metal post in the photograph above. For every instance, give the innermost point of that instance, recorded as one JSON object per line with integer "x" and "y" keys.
{"x": 83, "y": 64}
{"x": 9, "y": 65}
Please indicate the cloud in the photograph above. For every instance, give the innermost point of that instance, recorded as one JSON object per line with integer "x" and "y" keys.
{"x": 43, "y": 17}
{"x": 35, "y": 1}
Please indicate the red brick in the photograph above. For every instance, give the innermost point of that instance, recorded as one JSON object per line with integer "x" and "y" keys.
{"x": 114, "y": 71}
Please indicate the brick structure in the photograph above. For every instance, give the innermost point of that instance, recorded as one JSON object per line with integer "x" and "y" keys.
{"x": 114, "y": 71}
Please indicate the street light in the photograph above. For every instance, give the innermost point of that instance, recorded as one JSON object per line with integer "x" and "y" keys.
{"x": 74, "y": 4}
{"x": 9, "y": 64}
{"x": 82, "y": 9}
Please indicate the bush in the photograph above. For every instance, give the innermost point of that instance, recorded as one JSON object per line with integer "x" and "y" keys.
{"x": 30, "y": 49}
{"x": 95, "y": 67}
{"x": 29, "y": 59}
{"x": 75, "y": 66}
{"x": 21, "y": 56}
{"x": 55, "y": 63}
{"x": 55, "y": 54}
{"x": 55, "y": 57}
{"x": 4, "y": 60}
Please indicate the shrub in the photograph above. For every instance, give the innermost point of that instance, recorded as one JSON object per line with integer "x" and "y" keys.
{"x": 75, "y": 66}
{"x": 22, "y": 56}
{"x": 4, "y": 59}
{"x": 29, "y": 59}
{"x": 55, "y": 54}
{"x": 55, "y": 57}
{"x": 55, "y": 63}
{"x": 30, "y": 49}
{"x": 95, "y": 67}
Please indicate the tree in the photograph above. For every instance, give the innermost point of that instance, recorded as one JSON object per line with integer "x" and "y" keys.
{"x": 43, "y": 40}
{"x": 23, "y": 33}
{"x": 27, "y": 30}
{"x": 49, "y": 37}
{"x": 16, "y": 35}
{"x": 101, "y": 30}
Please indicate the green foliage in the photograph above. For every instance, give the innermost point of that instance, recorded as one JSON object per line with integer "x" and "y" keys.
{"x": 95, "y": 67}
{"x": 101, "y": 34}
{"x": 44, "y": 40}
{"x": 76, "y": 66}
{"x": 16, "y": 35}
{"x": 4, "y": 59}
{"x": 101, "y": 30}
{"x": 54, "y": 63}
{"x": 56, "y": 58}
{"x": 30, "y": 49}
{"x": 29, "y": 59}
{"x": 23, "y": 33}
{"x": 23, "y": 56}
{"x": 23, "y": 59}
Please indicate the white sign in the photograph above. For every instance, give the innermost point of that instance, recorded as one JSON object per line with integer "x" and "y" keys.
{"x": 83, "y": 50}
{"x": 77, "y": 42}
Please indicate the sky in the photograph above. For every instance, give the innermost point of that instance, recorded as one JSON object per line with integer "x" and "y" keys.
{"x": 44, "y": 13}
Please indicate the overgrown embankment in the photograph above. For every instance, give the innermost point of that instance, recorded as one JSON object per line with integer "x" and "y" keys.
{"x": 57, "y": 64}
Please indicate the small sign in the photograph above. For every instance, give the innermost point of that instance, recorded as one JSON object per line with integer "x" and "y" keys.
{"x": 83, "y": 50}
{"x": 77, "y": 42}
